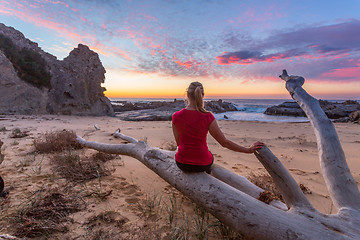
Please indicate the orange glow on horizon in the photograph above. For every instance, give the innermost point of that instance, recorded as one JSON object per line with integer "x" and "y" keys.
{"x": 127, "y": 84}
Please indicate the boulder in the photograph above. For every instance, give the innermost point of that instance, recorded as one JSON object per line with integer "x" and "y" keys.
{"x": 219, "y": 106}
{"x": 286, "y": 109}
{"x": 355, "y": 116}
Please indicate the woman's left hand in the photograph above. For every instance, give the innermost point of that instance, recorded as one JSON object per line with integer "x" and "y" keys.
{"x": 255, "y": 146}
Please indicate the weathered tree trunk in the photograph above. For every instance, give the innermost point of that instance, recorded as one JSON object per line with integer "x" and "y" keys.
{"x": 232, "y": 199}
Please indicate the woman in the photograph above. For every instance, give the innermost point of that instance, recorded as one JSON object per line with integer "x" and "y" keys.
{"x": 190, "y": 127}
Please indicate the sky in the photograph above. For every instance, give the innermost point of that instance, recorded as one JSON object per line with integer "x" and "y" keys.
{"x": 236, "y": 48}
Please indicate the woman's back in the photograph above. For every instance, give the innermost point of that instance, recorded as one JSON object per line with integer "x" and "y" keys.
{"x": 192, "y": 127}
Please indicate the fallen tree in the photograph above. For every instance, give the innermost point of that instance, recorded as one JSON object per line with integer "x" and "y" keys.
{"x": 232, "y": 199}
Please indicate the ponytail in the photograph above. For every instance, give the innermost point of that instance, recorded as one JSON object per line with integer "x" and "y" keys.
{"x": 196, "y": 93}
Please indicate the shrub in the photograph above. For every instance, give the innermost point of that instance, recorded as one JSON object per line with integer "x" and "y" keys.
{"x": 75, "y": 169}
{"x": 29, "y": 64}
{"x": 56, "y": 141}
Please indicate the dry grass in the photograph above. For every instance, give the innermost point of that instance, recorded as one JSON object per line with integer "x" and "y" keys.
{"x": 18, "y": 133}
{"x": 264, "y": 181}
{"x": 103, "y": 157}
{"x": 74, "y": 168}
{"x": 105, "y": 225}
{"x": 56, "y": 141}
{"x": 45, "y": 214}
{"x": 171, "y": 146}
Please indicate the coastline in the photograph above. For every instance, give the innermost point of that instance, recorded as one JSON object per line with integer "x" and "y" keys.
{"x": 262, "y": 110}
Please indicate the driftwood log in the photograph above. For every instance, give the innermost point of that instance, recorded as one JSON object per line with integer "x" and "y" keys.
{"x": 232, "y": 198}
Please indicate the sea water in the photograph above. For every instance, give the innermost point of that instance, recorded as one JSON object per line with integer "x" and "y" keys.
{"x": 248, "y": 109}
{"x": 253, "y": 110}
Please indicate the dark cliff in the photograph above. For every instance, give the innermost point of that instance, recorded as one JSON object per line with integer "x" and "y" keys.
{"x": 74, "y": 87}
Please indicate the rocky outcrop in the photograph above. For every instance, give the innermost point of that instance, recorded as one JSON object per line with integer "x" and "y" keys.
{"x": 162, "y": 110}
{"x": 219, "y": 106}
{"x": 122, "y": 106}
{"x": 286, "y": 109}
{"x": 17, "y": 96}
{"x": 355, "y": 117}
{"x": 334, "y": 110}
{"x": 75, "y": 83}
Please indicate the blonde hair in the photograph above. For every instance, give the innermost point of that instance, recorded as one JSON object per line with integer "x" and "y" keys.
{"x": 196, "y": 93}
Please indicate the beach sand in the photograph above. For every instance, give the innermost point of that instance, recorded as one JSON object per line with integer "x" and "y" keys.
{"x": 131, "y": 185}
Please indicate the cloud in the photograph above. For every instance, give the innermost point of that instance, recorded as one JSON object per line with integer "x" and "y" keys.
{"x": 248, "y": 57}
{"x": 313, "y": 41}
{"x": 147, "y": 38}
{"x": 344, "y": 74}
{"x": 331, "y": 48}
{"x": 56, "y": 17}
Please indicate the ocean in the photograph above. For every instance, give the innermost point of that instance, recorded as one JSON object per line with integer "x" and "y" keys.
{"x": 248, "y": 109}
{"x": 253, "y": 110}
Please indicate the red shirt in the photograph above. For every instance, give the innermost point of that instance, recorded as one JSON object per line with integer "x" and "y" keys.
{"x": 193, "y": 127}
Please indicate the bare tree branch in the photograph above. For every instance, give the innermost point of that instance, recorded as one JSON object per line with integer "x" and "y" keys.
{"x": 342, "y": 186}
{"x": 241, "y": 183}
{"x": 234, "y": 208}
{"x": 288, "y": 187}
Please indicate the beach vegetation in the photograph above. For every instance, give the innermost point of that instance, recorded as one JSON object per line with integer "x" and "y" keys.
{"x": 150, "y": 207}
{"x": 105, "y": 225}
{"x": 264, "y": 180}
{"x": 171, "y": 146}
{"x": 225, "y": 232}
{"x": 183, "y": 219}
{"x": 44, "y": 213}
{"x": 56, "y": 141}
{"x": 31, "y": 67}
{"x": 201, "y": 223}
{"x": 18, "y": 133}
{"x": 69, "y": 165}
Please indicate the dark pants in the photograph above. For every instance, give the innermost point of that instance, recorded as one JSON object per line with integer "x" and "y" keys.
{"x": 195, "y": 168}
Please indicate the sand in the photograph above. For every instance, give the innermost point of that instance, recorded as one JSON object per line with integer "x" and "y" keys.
{"x": 131, "y": 184}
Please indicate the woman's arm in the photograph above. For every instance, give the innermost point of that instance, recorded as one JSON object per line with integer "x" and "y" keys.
{"x": 176, "y": 134}
{"x": 219, "y": 136}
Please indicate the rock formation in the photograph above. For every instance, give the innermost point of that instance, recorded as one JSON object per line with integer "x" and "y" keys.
{"x": 162, "y": 110}
{"x": 333, "y": 110}
{"x": 75, "y": 85}
{"x": 17, "y": 96}
{"x": 355, "y": 117}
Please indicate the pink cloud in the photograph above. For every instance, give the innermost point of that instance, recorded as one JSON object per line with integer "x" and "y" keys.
{"x": 236, "y": 58}
{"x": 26, "y": 14}
{"x": 345, "y": 74}
{"x": 103, "y": 26}
{"x": 61, "y": 3}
